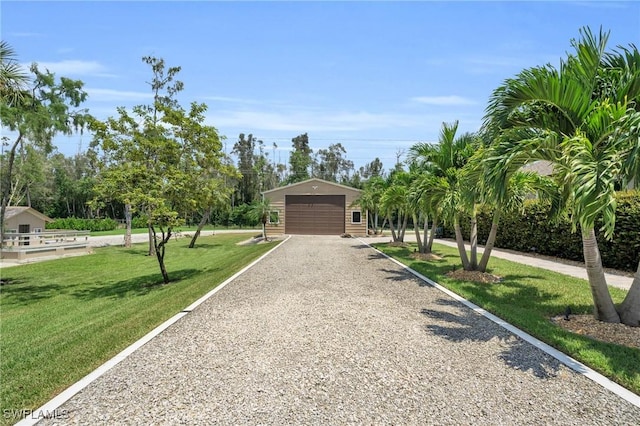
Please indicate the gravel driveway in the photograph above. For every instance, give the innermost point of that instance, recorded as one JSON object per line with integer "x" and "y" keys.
{"x": 327, "y": 331}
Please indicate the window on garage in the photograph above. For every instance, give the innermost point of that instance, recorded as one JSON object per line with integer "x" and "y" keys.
{"x": 274, "y": 217}
{"x": 356, "y": 216}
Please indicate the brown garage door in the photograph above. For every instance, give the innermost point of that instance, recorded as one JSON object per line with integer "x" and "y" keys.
{"x": 314, "y": 214}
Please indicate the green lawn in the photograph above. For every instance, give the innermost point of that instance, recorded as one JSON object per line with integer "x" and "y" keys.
{"x": 183, "y": 229}
{"x": 61, "y": 319}
{"x": 527, "y": 298}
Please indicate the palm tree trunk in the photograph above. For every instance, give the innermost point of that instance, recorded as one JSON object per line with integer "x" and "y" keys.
{"x": 425, "y": 232}
{"x": 473, "y": 241}
{"x": 416, "y": 228}
{"x": 603, "y": 309}
{"x": 629, "y": 310}
{"x": 404, "y": 226}
{"x": 482, "y": 267}
{"x": 432, "y": 234}
{"x": 203, "y": 221}
{"x": 460, "y": 242}
{"x": 393, "y": 231}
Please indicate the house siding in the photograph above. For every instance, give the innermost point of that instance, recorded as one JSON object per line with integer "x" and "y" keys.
{"x": 316, "y": 187}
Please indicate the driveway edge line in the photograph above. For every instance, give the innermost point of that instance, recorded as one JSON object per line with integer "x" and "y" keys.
{"x": 50, "y": 408}
{"x": 575, "y": 365}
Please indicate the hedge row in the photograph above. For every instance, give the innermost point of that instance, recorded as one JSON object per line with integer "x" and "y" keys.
{"x": 83, "y": 224}
{"x": 533, "y": 231}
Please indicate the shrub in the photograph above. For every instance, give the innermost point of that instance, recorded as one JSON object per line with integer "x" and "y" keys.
{"x": 77, "y": 224}
{"x": 533, "y": 231}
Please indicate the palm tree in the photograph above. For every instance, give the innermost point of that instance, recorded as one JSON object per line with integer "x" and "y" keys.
{"x": 260, "y": 211}
{"x": 445, "y": 187}
{"x": 13, "y": 78}
{"x": 369, "y": 200}
{"x": 395, "y": 199}
{"x": 580, "y": 118}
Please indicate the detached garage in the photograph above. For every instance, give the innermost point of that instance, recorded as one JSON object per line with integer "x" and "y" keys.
{"x": 316, "y": 207}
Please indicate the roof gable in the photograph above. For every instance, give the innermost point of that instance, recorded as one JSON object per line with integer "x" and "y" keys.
{"x": 18, "y": 210}
{"x": 342, "y": 188}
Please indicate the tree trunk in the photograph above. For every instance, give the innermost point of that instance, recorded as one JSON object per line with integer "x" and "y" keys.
{"x": 425, "y": 232}
{"x": 404, "y": 227}
{"x": 203, "y": 221}
{"x": 416, "y": 229}
{"x": 603, "y": 309}
{"x": 473, "y": 241}
{"x": 490, "y": 242}
{"x": 264, "y": 230}
{"x": 460, "y": 242}
{"x": 152, "y": 241}
{"x": 376, "y": 223}
{"x": 159, "y": 250}
{"x": 6, "y": 187}
{"x": 127, "y": 225}
{"x": 393, "y": 231}
{"x": 432, "y": 234}
{"x": 629, "y": 310}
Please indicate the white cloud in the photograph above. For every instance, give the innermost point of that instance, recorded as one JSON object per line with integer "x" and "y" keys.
{"x": 311, "y": 120}
{"x": 452, "y": 100}
{"x": 74, "y": 67}
{"x": 110, "y": 95}
{"x": 229, "y": 99}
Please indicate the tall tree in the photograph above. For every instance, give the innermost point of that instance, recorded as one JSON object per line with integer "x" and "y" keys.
{"x": 300, "y": 159}
{"x": 49, "y": 107}
{"x": 583, "y": 118}
{"x": 157, "y": 159}
{"x": 248, "y": 186}
{"x": 332, "y": 164}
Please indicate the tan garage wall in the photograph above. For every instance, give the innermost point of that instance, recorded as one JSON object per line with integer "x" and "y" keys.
{"x": 316, "y": 187}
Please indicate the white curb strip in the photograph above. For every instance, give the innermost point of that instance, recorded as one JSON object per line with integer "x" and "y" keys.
{"x": 51, "y": 408}
{"x": 563, "y": 358}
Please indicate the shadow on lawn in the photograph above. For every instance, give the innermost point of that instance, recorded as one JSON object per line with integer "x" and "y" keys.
{"x": 16, "y": 293}
{"x": 465, "y": 325}
{"x": 137, "y": 286}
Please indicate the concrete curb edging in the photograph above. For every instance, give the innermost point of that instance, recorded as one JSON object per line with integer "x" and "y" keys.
{"x": 50, "y": 408}
{"x": 575, "y": 365}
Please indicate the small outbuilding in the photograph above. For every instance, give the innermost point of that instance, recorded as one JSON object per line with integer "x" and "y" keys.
{"x": 25, "y": 236}
{"x": 24, "y": 220}
{"x": 316, "y": 207}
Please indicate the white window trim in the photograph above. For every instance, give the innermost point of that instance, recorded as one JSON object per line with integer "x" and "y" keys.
{"x": 356, "y": 223}
{"x": 277, "y": 212}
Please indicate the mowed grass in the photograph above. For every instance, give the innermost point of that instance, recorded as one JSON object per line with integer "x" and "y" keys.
{"x": 528, "y": 298}
{"x": 182, "y": 229}
{"x": 61, "y": 319}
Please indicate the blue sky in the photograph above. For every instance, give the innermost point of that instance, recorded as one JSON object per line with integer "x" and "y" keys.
{"x": 374, "y": 76}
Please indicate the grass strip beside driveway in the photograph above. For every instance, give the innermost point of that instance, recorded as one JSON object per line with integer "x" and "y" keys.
{"x": 527, "y": 298}
{"x": 63, "y": 318}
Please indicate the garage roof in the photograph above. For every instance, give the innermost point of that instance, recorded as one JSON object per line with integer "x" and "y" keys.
{"x": 341, "y": 189}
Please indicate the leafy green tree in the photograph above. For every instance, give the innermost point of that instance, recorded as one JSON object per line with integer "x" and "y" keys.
{"x": 372, "y": 169}
{"x": 300, "y": 159}
{"x": 332, "y": 164}
{"x": 159, "y": 159}
{"x": 248, "y": 186}
{"x": 583, "y": 118}
{"x": 49, "y": 107}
